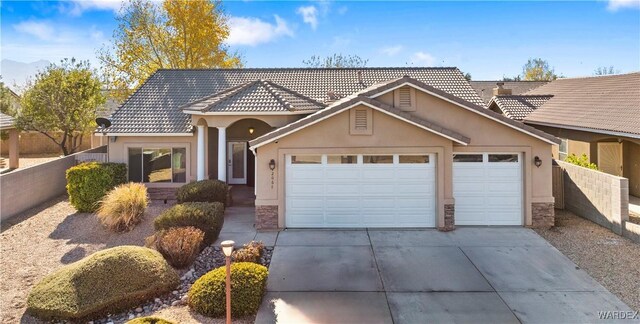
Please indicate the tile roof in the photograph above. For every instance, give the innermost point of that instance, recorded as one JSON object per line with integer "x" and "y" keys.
{"x": 604, "y": 104}
{"x": 156, "y": 106}
{"x": 519, "y": 106}
{"x": 485, "y": 88}
{"x": 6, "y": 122}
{"x": 366, "y": 94}
{"x": 255, "y": 96}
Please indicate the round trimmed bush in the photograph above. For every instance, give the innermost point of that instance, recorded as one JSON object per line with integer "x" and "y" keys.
{"x": 203, "y": 191}
{"x": 88, "y": 183}
{"x": 123, "y": 207}
{"x": 107, "y": 281}
{"x": 149, "y": 320}
{"x": 248, "y": 283}
{"x": 208, "y": 217}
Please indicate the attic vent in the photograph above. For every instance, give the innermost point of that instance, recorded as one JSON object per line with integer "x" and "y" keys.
{"x": 361, "y": 120}
{"x": 404, "y": 100}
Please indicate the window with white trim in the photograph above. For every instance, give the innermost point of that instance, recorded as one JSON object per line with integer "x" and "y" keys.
{"x": 563, "y": 149}
{"x": 157, "y": 165}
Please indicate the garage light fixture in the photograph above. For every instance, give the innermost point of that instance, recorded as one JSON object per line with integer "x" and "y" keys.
{"x": 272, "y": 164}
{"x": 537, "y": 161}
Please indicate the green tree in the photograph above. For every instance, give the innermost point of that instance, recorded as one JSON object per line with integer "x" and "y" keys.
{"x": 61, "y": 103}
{"x": 467, "y": 76}
{"x": 178, "y": 34}
{"x": 604, "y": 70}
{"x": 8, "y": 100}
{"x": 335, "y": 61}
{"x": 538, "y": 70}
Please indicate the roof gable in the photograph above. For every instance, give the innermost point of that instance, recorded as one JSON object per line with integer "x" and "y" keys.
{"x": 352, "y": 102}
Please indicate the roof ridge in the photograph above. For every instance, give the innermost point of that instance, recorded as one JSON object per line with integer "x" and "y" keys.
{"x": 293, "y": 92}
{"x": 226, "y": 93}
{"x": 317, "y": 69}
{"x": 276, "y": 95}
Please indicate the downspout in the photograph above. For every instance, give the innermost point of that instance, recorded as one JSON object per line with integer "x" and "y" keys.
{"x": 255, "y": 170}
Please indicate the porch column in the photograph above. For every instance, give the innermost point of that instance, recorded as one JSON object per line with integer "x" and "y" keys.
{"x": 201, "y": 154}
{"x": 14, "y": 148}
{"x": 222, "y": 154}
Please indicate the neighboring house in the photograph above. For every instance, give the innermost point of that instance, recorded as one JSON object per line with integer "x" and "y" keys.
{"x": 363, "y": 147}
{"x": 595, "y": 116}
{"x": 7, "y": 125}
{"x": 487, "y": 89}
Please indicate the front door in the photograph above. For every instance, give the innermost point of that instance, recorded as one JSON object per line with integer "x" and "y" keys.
{"x": 237, "y": 163}
{"x": 610, "y": 158}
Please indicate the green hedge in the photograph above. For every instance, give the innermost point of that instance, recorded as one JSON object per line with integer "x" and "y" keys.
{"x": 88, "y": 183}
{"x": 203, "y": 191}
{"x": 248, "y": 281}
{"x": 149, "y": 320}
{"x": 208, "y": 217}
{"x": 105, "y": 282}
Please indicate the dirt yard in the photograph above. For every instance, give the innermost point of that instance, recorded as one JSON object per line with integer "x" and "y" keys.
{"x": 28, "y": 160}
{"x": 612, "y": 260}
{"x": 46, "y": 238}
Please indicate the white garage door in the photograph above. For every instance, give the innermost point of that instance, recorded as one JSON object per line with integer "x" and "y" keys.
{"x": 360, "y": 190}
{"x": 487, "y": 189}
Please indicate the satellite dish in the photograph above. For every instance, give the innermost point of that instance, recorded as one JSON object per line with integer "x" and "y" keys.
{"x": 103, "y": 122}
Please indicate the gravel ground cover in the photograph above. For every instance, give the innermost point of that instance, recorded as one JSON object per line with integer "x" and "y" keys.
{"x": 45, "y": 238}
{"x": 612, "y": 260}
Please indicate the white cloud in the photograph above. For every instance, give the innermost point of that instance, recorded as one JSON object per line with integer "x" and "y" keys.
{"x": 40, "y": 29}
{"x": 392, "y": 50}
{"x": 615, "y": 5}
{"x": 309, "y": 15}
{"x": 253, "y": 31}
{"x": 423, "y": 58}
{"x": 77, "y": 7}
{"x": 343, "y": 10}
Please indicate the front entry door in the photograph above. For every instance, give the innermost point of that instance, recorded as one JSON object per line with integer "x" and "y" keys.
{"x": 237, "y": 163}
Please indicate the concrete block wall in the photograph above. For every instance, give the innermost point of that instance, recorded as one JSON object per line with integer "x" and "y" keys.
{"x": 29, "y": 187}
{"x": 597, "y": 196}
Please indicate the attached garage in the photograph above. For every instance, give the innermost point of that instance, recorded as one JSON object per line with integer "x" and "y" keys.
{"x": 355, "y": 190}
{"x": 487, "y": 188}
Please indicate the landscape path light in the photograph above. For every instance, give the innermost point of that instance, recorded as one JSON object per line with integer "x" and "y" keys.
{"x": 227, "y": 249}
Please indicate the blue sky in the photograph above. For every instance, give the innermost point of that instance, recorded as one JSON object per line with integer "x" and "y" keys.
{"x": 486, "y": 39}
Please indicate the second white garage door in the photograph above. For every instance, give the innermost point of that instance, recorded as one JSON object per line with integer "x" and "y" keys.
{"x": 487, "y": 188}
{"x": 360, "y": 191}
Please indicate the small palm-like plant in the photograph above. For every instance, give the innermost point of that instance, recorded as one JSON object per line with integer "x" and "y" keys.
{"x": 123, "y": 207}
{"x": 179, "y": 245}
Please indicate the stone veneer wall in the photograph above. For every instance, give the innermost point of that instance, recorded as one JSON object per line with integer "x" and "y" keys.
{"x": 597, "y": 196}
{"x": 542, "y": 215}
{"x": 449, "y": 218}
{"x": 266, "y": 217}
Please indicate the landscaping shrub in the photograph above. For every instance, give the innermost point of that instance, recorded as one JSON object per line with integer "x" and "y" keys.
{"x": 208, "y": 217}
{"x": 88, "y": 183}
{"x": 203, "y": 191}
{"x": 180, "y": 245}
{"x": 250, "y": 252}
{"x": 123, "y": 207}
{"x": 582, "y": 161}
{"x": 107, "y": 281}
{"x": 248, "y": 282}
{"x": 149, "y": 320}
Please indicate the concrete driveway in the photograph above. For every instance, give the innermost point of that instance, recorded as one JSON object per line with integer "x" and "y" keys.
{"x": 470, "y": 275}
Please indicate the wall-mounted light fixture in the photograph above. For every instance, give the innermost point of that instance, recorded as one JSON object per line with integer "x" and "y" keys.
{"x": 272, "y": 164}
{"x": 537, "y": 161}
{"x": 251, "y": 130}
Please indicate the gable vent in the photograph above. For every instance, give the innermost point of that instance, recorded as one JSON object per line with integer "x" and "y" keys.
{"x": 404, "y": 100}
{"x": 361, "y": 120}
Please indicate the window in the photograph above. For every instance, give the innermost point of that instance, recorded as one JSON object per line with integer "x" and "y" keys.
{"x": 157, "y": 165}
{"x": 306, "y": 159}
{"x": 503, "y": 157}
{"x": 342, "y": 159}
{"x": 467, "y": 158}
{"x": 414, "y": 159}
{"x": 377, "y": 159}
{"x": 563, "y": 150}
